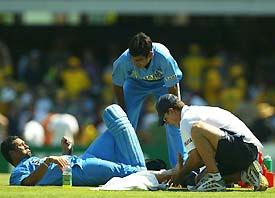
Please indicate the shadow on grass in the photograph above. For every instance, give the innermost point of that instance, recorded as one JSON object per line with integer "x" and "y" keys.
{"x": 237, "y": 189}
{"x": 178, "y": 189}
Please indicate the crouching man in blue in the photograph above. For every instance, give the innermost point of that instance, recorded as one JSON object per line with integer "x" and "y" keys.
{"x": 117, "y": 153}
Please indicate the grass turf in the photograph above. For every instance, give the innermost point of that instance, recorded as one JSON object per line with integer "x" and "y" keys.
{"x": 77, "y": 192}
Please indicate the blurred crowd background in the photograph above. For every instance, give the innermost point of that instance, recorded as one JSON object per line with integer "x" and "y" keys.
{"x": 57, "y": 68}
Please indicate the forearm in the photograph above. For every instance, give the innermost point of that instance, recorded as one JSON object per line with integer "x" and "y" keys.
{"x": 119, "y": 94}
{"x": 173, "y": 90}
{"x": 37, "y": 175}
{"x": 67, "y": 152}
{"x": 193, "y": 162}
{"x": 67, "y": 146}
{"x": 163, "y": 176}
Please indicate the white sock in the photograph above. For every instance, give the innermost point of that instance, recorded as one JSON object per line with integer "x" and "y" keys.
{"x": 216, "y": 176}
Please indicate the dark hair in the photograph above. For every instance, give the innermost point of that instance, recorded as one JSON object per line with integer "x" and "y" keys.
{"x": 155, "y": 164}
{"x": 140, "y": 45}
{"x": 6, "y": 146}
{"x": 165, "y": 102}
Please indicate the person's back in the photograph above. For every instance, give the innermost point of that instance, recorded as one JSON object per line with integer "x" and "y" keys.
{"x": 219, "y": 118}
{"x": 74, "y": 78}
{"x": 193, "y": 64}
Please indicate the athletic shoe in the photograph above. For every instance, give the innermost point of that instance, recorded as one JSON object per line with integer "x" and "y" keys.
{"x": 253, "y": 176}
{"x": 211, "y": 182}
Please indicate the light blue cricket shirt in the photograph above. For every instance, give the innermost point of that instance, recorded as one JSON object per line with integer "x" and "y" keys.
{"x": 163, "y": 67}
{"x": 53, "y": 176}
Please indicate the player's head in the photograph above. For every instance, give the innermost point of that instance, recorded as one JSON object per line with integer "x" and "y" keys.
{"x": 169, "y": 107}
{"x": 155, "y": 164}
{"x": 14, "y": 149}
{"x": 140, "y": 49}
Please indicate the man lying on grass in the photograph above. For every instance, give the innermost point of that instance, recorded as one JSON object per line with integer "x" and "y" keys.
{"x": 116, "y": 153}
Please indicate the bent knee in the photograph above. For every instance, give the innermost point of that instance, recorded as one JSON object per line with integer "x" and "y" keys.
{"x": 197, "y": 128}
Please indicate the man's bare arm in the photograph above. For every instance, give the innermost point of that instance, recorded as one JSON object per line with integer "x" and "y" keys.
{"x": 119, "y": 94}
{"x": 173, "y": 90}
{"x": 66, "y": 145}
{"x": 193, "y": 162}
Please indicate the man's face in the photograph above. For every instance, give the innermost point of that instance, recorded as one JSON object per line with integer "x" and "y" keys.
{"x": 141, "y": 61}
{"x": 171, "y": 117}
{"x": 21, "y": 149}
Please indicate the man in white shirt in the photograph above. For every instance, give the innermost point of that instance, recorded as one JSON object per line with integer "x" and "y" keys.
{"x": 216, "y": 139}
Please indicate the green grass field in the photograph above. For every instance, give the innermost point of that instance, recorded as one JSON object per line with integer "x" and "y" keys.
{"x": 77, "y": 192}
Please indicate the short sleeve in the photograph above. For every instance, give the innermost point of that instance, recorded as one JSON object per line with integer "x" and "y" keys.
{"x": 185, "y": 127}
{"x": 119, "y": 73}
{"x": 172, "y": 73}
{"x": 186, "y": 137}
{"x": 18, "y": 175}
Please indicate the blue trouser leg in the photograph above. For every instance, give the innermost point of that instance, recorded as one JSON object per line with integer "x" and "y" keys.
{"x": 134, "y": 95}
{"x": 175, "y": 144}
{"x": 103, "y": 147}
{"x": 129, "y": 150}
{"x": 173, "y": 136}
{"x": 96, "y": 171}
{"x": 119, "y": 142}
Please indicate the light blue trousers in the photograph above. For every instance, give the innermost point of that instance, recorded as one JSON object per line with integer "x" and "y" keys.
{"x": 116, "y": 153}
{"x": 135, "y": 93}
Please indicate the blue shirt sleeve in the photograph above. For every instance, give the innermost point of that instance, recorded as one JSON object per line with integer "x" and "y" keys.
{"x": 19, "y": 174}
{"x": 172, "y": 73}
{"x": 119, "y": 74}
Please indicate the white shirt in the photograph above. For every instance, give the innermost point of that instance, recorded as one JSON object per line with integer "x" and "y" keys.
{"x": 217, "y": 117}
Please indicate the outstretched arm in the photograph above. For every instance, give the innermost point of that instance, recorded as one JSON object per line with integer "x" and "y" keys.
{"x": 193, "y": 162}
{"x": 175, "y": 90}
{"x": 66, "y": 145}
{"x": 37, "y": 175}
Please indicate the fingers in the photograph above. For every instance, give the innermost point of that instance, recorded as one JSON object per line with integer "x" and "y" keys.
{"x": 63, "y": 140}
{"x": 66, "y": 140}
{"x": 171, "y": 183}
{"x": 66, "y": 143}
{"x": 61, "y": 161}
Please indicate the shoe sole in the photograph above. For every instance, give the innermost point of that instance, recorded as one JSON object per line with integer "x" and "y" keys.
{"x": 211, "y": 189}
{"x": 255, "y": 171}
{"x": 214, "y": 187}
{"x": 263, "y": 184}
